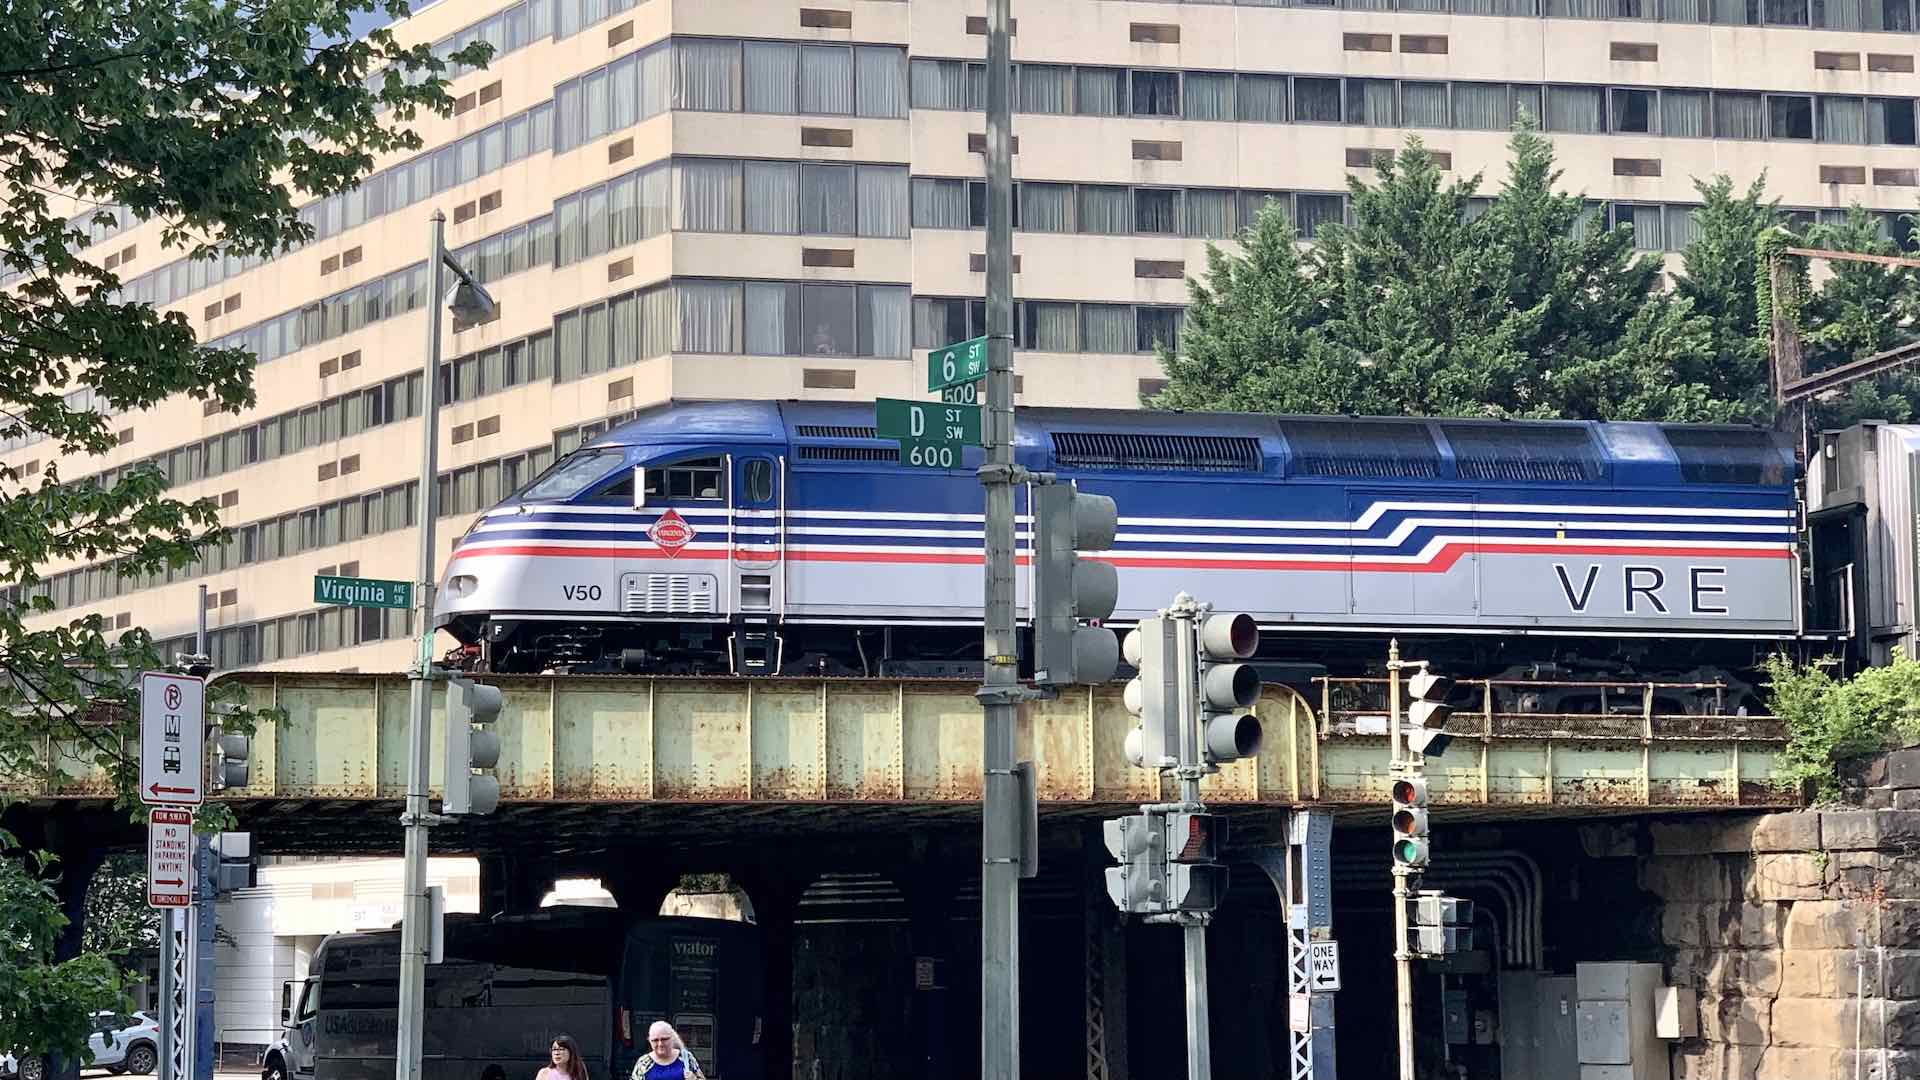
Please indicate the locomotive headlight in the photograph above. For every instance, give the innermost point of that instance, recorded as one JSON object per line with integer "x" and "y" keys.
{"x": 460, "y": 585}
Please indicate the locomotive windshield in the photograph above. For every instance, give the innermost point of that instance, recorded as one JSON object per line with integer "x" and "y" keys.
{"x": 573, "y": 475}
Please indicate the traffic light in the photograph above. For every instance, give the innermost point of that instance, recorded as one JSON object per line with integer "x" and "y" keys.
{"x": 1068, "y": 589}
{"x": 1410, "y": 845}
{"x": 1195, "y": 879}
{"x": 1440, "y": 924}
{"x": 1139, "y": 842}
{"x": 1427, "y": 713}
{"x": 1229, "y": 730}
{"x": 471, "y": 746}
{"x": 1154, "y": 694}
{"x": 233, "y": 754}
{"x": 234, "y": 867}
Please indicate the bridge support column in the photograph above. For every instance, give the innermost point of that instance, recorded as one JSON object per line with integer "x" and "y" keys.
{"x": 930, "y": 886}
{"x": 639, "y": 890}
{"x": 511, "y": 884}
{"x": 1104, "y": 936}
{"x": 775, "y": 893}
{"x": 1302, "y": 872}
{"x": 79, "y": 861}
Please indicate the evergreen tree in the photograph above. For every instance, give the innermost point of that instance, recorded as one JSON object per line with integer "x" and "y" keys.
{"x": 1860, "y": 309}
{"x": 1721, "y": 280}
{"x": 1419, "y": 306}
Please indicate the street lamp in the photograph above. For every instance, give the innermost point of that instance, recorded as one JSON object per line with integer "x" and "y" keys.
{"x": 470, "y": 303}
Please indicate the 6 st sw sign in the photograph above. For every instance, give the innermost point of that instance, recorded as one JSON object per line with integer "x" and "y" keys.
{"x": 173, "y": 730}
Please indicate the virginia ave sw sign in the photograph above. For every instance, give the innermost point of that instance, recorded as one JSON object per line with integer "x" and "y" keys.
{"x": 363, "y": 592}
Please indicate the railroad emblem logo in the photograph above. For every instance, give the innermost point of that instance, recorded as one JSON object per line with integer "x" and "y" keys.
{"x": 671, "y": 533}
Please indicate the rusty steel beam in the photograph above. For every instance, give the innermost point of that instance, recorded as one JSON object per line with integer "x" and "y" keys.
{"x": 639, "y": 740}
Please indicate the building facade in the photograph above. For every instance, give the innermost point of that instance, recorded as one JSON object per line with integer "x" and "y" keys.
{"x": 784, "y": 199}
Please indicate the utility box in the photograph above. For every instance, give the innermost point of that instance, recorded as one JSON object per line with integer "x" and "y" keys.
{"x": 1616, "y": 1028}
{"x": 1676, "y": 1013}
{"x": 1537, "y": 1040}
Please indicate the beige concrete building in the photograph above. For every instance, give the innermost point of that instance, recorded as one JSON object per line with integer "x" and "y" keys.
{"x": 783, "y": 198}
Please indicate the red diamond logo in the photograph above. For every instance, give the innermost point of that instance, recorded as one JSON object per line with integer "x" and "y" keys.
{"x": 672, "y": 533}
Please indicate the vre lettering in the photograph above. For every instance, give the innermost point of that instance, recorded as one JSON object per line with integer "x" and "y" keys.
{"x": 1643, "y": 589}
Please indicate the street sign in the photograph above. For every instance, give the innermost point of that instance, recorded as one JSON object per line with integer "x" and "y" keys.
{"x": 929, "y": 455}
{"x": 960, "y": 362}
{"x": 927, "y": 421}
{"x": 170, "y": 858}
{"x": 962, "y": 394}
{"x": 173, "y": 731}
{"x": 363, "y": 592}
{"x": 1323, "y": 966}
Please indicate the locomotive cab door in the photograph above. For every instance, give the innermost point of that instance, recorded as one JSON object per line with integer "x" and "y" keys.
{"x": 758, "y": 529}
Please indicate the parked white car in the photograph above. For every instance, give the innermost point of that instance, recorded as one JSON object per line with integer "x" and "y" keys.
{"x": 123, "y": 1044}
{"x": 120, "y": 1044}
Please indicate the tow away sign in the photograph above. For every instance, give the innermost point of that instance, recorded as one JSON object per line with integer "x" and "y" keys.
{"x": 170, "y": 858}
{"x": 173, "y": 730}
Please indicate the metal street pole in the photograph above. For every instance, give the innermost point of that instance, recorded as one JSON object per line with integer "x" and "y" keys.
{"x": 1000, "y": 692}
{"x": 1402, "y": 892}
{"x": 1193, "y": 925}
{"x": 415, "y": 821}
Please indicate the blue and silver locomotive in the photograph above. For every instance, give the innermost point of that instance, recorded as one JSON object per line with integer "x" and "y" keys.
{"x": 783, "y": 537}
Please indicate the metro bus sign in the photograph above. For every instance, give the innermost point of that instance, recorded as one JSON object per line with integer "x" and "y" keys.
{"x": 671, "y": 533}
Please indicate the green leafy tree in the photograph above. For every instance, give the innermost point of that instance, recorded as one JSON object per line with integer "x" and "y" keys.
{"x": 215, "y": 119}
{"x": 1859, "y": 309}
{"x": 1720, "y": 280}
{"x": 1529, "y": 309}
{"x": 1830, "y": 721}
{"x": 118, "y": 921}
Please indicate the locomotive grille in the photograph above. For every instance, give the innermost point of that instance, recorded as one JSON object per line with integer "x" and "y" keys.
{"x": 833, "y": 431}
{"x": 672, "y": 594}
{"x": 1362, "y": 450}
{"x": 1505, "y": 452}
{"x": 1156, "y": 452}
{"x": 848, "y": 453}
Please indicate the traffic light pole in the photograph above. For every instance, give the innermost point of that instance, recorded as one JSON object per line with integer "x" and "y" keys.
{"x": 1403, "y": 764}
{"x": 1193, "y": 925}
{"x": 1000, "y": 692}
{"x": 416, "y": 819}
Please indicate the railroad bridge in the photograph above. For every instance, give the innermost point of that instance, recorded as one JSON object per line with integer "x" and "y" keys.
{"x": 847, "y": 811}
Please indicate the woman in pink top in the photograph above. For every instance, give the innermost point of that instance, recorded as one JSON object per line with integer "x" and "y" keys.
{"x": 568, "y": 1063}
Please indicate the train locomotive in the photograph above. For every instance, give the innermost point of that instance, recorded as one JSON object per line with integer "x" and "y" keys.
{"x": 766, "y": 537}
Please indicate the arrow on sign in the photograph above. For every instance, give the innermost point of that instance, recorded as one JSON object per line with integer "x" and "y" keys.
{"x": 175, "y": 881}
{"x": 156, "y": 789}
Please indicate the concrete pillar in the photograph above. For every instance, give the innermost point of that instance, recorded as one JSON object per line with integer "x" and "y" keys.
{"x": 930, "y": 885}
{"x": 639, "y": 890}
{"x": 775, "y": 893}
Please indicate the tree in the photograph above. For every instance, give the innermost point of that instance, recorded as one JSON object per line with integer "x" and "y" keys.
{"x": 1421, "y": 306}
{"x": 119, "y": 922}
{"x": 1860, "y": 309}
{"x": 210, "y": 117}
{"x": 1721, "y": 278}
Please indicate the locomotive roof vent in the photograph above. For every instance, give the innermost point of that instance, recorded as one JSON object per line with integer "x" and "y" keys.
{"x": 1563, "y": 453}
{"x": 1727, "y": 455}
{"x": 1362, "y": 449}
{"x": 1156, "y": 452}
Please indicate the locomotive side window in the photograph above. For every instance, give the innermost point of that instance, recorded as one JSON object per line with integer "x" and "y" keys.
{"x": 701, "y": 479}
{"x": 760, "y": 480}
{"x": 573, "y": 474}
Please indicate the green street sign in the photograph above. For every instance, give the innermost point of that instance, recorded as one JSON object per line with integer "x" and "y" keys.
{"x": 927, "y": 421}
{"x": 922, "y": 454}
{"x": 961, "y": 362}
{"x": 960, "y": 394}
{"x": 363, "y": 592}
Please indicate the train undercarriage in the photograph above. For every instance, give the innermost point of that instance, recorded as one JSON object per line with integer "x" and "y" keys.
{"x": 1530, "y": 673}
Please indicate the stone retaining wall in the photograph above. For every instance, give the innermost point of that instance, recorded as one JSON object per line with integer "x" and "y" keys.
{"x": 1800, "y": 932}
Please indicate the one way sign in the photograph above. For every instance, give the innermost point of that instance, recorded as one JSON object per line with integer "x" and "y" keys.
{"x": 1323, "y": 966}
